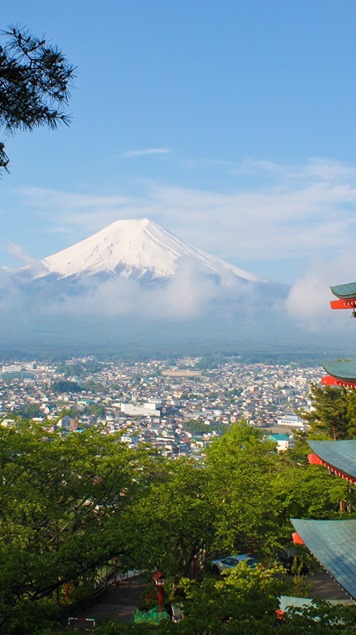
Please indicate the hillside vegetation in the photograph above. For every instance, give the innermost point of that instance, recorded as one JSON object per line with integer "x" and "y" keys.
{"x": 70, "y": 506}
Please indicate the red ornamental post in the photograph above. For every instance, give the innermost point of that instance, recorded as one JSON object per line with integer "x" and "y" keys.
{"x": 160, "y": 598}
{"x": 159, "y": 581}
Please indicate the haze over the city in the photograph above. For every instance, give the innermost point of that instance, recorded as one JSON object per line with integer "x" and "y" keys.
{"x": 230, "y": 125}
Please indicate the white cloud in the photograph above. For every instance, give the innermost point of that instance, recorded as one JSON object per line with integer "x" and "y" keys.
{"x": 141, "y": 152}
{"x": 17, "y": 252}
{"x": 270, "y": 212}
{"x": 113, "y": 297}
{"x": 309, "y": 299}
{"x": 188, "y": 295}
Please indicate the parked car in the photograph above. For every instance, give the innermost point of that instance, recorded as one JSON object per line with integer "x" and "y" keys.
{"x": 230, "y": 562}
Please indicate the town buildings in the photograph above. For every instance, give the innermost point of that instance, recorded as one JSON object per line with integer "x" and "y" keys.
{"x": 175, "y": 406}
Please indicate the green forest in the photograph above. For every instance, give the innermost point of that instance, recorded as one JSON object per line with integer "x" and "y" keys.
{"x": 72, "y": 506}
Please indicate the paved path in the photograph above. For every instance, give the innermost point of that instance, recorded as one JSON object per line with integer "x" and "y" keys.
{"x": 326, "y": 588}
{"x": 118, "y": 603}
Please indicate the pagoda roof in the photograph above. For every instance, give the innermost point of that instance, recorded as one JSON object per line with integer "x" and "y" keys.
{"x": 333, "y": 543}
{"x": 342, "y": 370}
{"x": 340, "y": 455}
{"x": 344, "y": 290}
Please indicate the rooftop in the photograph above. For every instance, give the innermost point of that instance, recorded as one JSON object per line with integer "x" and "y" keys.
{"x": 340, "y": 454}
{"x": 344, "y": 291}
{"x": 345, "y": 369}
{"x": 333, "y": 543}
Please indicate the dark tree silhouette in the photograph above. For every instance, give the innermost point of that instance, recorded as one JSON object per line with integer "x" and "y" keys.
{"x": 34, "y": 84}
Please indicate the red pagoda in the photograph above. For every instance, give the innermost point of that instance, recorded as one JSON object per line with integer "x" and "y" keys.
{"x": 333, "y": 542}
{"x": 342, "y": 373}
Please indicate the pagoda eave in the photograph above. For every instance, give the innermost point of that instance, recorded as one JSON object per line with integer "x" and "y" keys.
{"x": 343, "y": 304}
{"x": 340, "y": 373}
{"x": 328, "y": 380}
{"x": 331, "y": 543}
{"x": 314, "y": 459}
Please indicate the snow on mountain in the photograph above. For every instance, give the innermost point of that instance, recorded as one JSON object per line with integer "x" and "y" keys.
{"x": 134, "y": 284}
{"x": 135, "y": 248}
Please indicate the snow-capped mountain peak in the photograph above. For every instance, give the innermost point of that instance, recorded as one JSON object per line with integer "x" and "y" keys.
{"x": 134, "y": 248}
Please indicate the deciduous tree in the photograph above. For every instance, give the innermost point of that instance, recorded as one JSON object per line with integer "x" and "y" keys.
{"x": 240, "y": 468}
{"x": 60, "y": 506}
{"x": 171, "y": 523}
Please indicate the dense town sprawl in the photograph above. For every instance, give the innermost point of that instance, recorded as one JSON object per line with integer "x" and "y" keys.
{"x": 177, "y": 407}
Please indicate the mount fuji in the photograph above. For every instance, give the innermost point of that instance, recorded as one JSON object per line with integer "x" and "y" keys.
{"x": 136, "y": 249}
{"x": 135, "y": 285}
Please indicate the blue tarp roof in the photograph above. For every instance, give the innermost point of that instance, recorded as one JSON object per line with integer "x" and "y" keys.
{"x": 333, "y": 543}
{"x": 339, "y": 454}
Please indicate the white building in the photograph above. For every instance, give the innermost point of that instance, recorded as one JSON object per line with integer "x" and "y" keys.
{"x": 292, "y": 421}
{"x": 148, "y": 409}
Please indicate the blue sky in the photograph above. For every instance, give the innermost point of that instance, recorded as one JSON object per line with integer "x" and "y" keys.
{"x": 230, "y": 123}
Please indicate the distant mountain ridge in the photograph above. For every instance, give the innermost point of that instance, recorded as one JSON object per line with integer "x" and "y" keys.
{"x": 138, "y": 249}
{"x": 134, "y": 285}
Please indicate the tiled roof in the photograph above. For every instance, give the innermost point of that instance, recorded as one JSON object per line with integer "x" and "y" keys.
{"x": 333, "y": 543}
{"x": 345, "y": 290}
{"x": 339, "y": 454}
{"x": 341, "y": 370}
